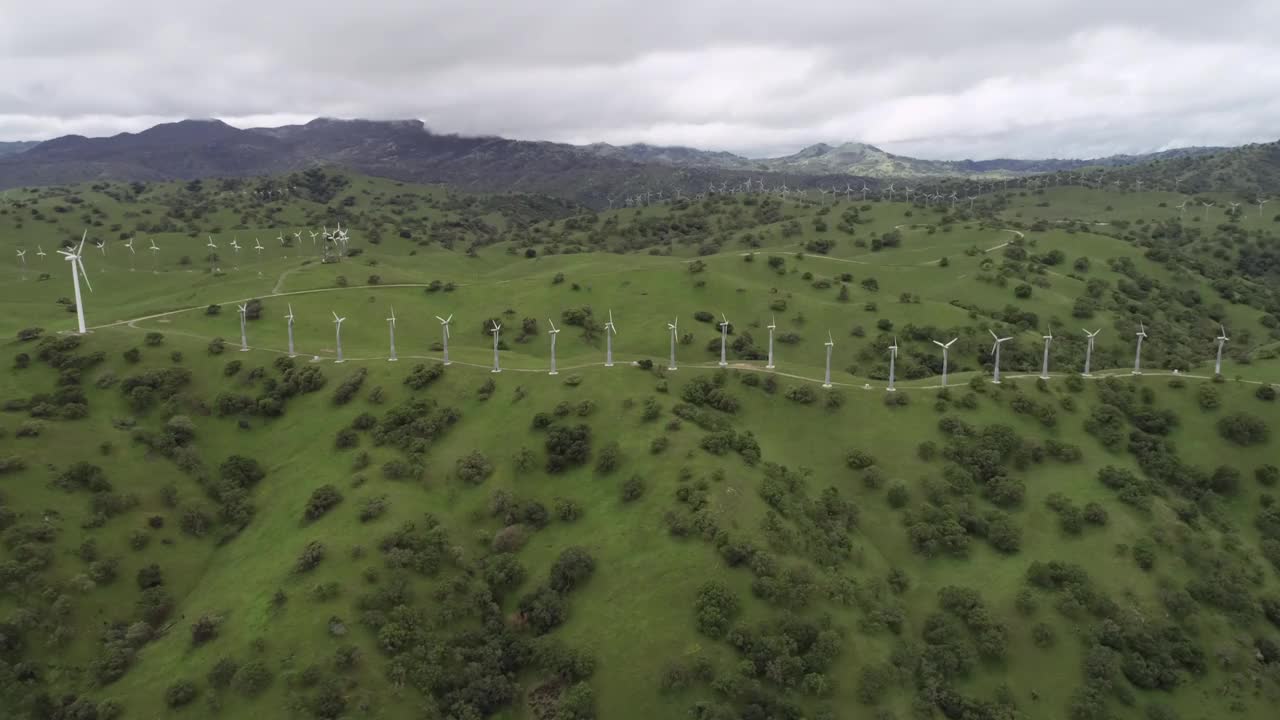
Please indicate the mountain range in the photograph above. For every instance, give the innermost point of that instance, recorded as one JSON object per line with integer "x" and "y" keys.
{"x": 407, "y": 150}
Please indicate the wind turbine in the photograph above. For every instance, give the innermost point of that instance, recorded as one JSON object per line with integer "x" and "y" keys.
{"x": 1088, "y": 352}
{"x": 1222, "y": 340}
{"x": 391, "y": 324}
{"x": 244, "y": 341}
{"x": 1137, "y": 356}
{"x": 444, "y": 333}
{"x": 773, "y": 325}
{"x": 129, "y": 244}
{"x": 609, "y": 332}
{"x": 945, "y": 347}
{"x": 497, "y": 328}
{"x": 337, "y": 322}
{"x": 213, "y": 256}
{"x": 553, "y": 332}
{"x": 893, "y": 361}
{"x": 155, "y": 259}
{"x": 289, "y": 317}
{"x": 40, "y": 253}
{"x": 1260, "y": 204}
{"x": 674, "y": 328}
{"x": 22, "y": 258}
{"x": 235, "y": 247}
{"x": 77, "y": 271}
{"x": 101, "y": 245}
{"x": 826, "y": 383}
{"x": 257, "y": 245}
{"x": 724, "y": 335}
{"x": 995, "y": 352}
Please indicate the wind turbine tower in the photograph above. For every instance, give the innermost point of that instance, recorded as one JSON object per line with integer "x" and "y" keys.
{"x": 893, "y": 360}
{"x": 497, "y": 329}
{"x": 826, "y": 382}
{"x": 675, "y": 330}
{"x": 553, "y": 332}
{"x": 609, "y": 332}
{"x": 155, "y": 259}
{"x": 1137, "y": 355}
{"x": 995, "y": 352}
{"x": 1044, "y": 367}
{"x": 244, "y": 338}
{"x": 77, "y": 271}
{"x": 945, "y": 347}
{"x": 1222, "y": 340}
{"x": 337, "y": 323}
{"x": 444, "y": 335}
{"x": 1088, "y": 351}
{"x": 391, "y": 326}
{"x": 289, "y": 317}
{"x": 724, "y": 335}
{"x": 773, "y": 325}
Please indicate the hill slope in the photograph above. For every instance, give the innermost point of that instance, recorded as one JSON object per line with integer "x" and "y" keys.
{"x": 190, "y": 529}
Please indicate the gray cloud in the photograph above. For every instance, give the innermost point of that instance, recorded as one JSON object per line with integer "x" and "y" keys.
{"x": 931, "y": 78}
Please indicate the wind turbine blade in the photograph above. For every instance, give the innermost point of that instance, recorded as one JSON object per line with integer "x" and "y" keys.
{"x": 335, "y": 316}
{"x": 993, "y": 333}
{"x": 78, "y": 263}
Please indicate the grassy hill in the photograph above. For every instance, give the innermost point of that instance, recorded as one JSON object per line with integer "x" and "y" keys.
{"x": 191, "y": 530}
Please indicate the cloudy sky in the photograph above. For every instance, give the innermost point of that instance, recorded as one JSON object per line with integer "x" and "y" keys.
{"x": 930, "y": 78}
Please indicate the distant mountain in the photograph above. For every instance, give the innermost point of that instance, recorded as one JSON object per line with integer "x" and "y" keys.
{"x": 862, "y": 160}
{"x": 406, "y": 150}
{"x": 11, "y": 148}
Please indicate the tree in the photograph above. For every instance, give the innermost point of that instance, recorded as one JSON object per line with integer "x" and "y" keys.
{"x": 571, "y": 568}
{"x": 474, "y": 468}
{"x": 1243, "y": 429}
{"x": 180, "y": 693}
{"x": 322, "y": 500}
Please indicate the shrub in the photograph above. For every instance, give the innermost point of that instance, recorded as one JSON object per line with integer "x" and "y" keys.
{"x": 204, "y": 629}
{"x": 633, "y": 488}
{"x": 1266, "y": 393}
{"x": 858, "y": 460}
{"x": 567, "y": 510}
{"x": 252, "y": 678}
{"x": 608, "y": 459}
{"x": 898, "y": 495}
{"x": 344, "y": 393}
{"x": 312, "y": 553}
{"x": 180, "y": 693}
{"x": 1267, "y": 475}
{"x": 373, "y": 508}
{"x": 1208, "y": 397}
{"x": 1243, "y": 428}
{"x": 322, "y": 500}
{"x": 222, "y": 672}
{"x": 474, "y": 468}
{"x": 715, "y": 609}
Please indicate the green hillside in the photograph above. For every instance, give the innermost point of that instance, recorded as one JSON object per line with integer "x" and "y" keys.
{"x": 194, "y": 531}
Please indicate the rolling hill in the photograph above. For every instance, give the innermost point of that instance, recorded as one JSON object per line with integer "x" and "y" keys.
{"x": 205, "y": 516}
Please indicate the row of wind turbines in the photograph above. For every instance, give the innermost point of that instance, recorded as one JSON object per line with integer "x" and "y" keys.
{"x": 674, "y": 329}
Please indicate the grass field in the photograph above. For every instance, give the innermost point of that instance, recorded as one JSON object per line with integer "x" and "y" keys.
{"x": 635, "y": 615}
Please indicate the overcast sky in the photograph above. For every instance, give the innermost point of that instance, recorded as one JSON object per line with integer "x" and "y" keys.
{"x": 929, "y": 78}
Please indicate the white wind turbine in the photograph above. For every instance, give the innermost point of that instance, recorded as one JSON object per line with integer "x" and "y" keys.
{"x": 945, "y": 347}
{"x": 40, "y": 253}
{"x": 213, "y": 254}
{"x": 773, "y": 325}
{"x": 391, "y": 326}
{"x": 724, "y": 336}
{"x": 995, "y": 353}
{"x": 674, "y": 328}
{"x": 337, "y": 322}
{"x": 1088, "y": 352}
{"x": 129, "y": 244}
{"x": 497, "y": 329}
{"x": 244, "y": 339}
{"x": 235, "y": 247}
{"x": 609, "y": 332}
{"x": 1261, "y": 202}
{"x": 1048, "y": 340}
{"x": 155, "y": 259}
{"x": 77, "y": 271}
{"x": 289, "y": 317}
{"x": 257, "y": 245}
{"x": 893, "y": 361}
{"x": 22, "y": 259}
{"x": 1222, "y": 340}
{"x": 553, "y": 332}
{"x": 1137, "y": 355}
{"x": 444, "y": 334}
{"x": 830, "y": 343}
